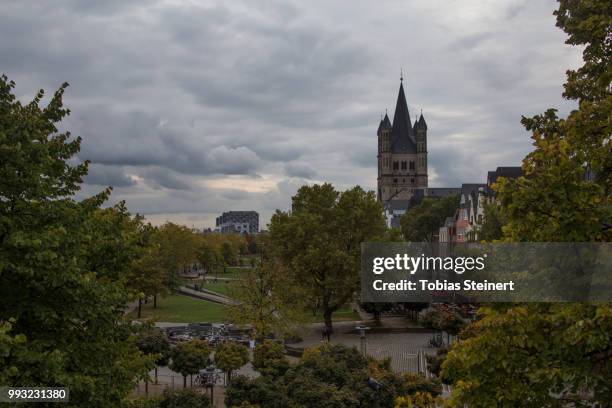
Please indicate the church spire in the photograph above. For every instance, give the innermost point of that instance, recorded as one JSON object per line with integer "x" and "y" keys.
{"x": 402, "y": 133}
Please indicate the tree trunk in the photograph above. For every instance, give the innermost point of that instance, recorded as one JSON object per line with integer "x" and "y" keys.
{"x": 155, "y": 301}
{"x": 155, "y": 375}
{"x": 147, "y": 386}
{"x": 139, "y": 308}
{"x": 184, "y": 381}
{"x": 327, "y": 316}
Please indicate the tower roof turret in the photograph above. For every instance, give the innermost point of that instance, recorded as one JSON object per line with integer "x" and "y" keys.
{"x": 421, "y": 124}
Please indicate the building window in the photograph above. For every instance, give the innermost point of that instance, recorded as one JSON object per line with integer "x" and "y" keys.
{"x": 403, "y": 180}
{"x": 395, "y": 165}
{"x": 395, "y": 180}
{"x": 403, "y": 165}
{"x": 411, "y": 165}
{"x": 412, "y": 180}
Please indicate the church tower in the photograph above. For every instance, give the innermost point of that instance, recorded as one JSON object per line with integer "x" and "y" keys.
{"x": 402, "y": 154}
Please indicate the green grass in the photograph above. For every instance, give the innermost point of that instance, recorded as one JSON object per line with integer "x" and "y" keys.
{"x": 222, "y": 287}
{"x": 343, "y": 314}
{"x": 183, "y": 309}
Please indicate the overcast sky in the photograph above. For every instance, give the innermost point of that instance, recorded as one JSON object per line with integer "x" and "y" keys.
{"x": 191, "y": 108}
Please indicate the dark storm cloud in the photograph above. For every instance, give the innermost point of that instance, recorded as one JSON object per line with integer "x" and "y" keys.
{"x": 112, "y": 176}
{"x": 193, "y": 108}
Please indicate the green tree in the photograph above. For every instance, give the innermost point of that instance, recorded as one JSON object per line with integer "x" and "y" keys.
{"x": 422, "y": 222}
{"x": 330, "y": 376}
{"x": 493, "y": 221}
{"x": 550, "y": 355}
{"x": 267, "y": 300}
{"x": 228, "y": 253}
{"x": 207, "y": 257}
{"x": 147, "y": 276}
{"x": 189, "y": 357}
{"x": 154, "y": 342}
{"x": 451, "y": 323}
{"x": 319, "y": 241}
{"x": 230, "y": 356}
{"x": 269, "y": 359}
{"x": 376, "y": 308}
{"x": 61, "y": 287}
{"x": 178, "y": 250}
{"x": 184, "y": 399}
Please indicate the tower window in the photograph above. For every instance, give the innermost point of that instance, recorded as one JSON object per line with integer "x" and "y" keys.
{"x": 411, "y": 165}
{"x": 403, "y": 165}
{"x": 395, "y": 165}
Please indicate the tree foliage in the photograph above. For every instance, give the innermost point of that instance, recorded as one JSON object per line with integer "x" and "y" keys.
{"x": 422, "y": 222}
{"x": 269, "y": 359}
{"x": 229, "y": 253}
{"x": 550, "y": 355}
{"x": 189, "y": 358}
{"x": 63, "y": 263}
{"x": 230, "y": 356}
{"x": 331, "y": 376}
{"x": 319, "y": 242}
{"x": 492, "y": 224}
{"x": 267, "y": 301}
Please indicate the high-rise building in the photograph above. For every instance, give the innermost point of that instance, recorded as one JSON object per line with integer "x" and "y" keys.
{"x": 241, "y": 222}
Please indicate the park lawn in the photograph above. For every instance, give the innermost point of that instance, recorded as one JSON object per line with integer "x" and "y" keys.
{"x": 183, "y": 309}
{"x": 221, "y": 287}
{"x": 343, "y": 314}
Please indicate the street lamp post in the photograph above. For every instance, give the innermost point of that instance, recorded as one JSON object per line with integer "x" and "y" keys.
{"x": 362, "y": 337}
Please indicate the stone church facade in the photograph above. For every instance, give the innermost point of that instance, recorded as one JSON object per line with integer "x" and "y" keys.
{"x": 402, "y": 155}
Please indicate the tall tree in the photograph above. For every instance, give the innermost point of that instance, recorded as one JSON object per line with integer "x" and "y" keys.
{"x": 207, "y": 257}
{"x": 267, "y": 300}
{"x": 147, "y": 276}
{"x": 550, "y": 355}
{"x": 154, "y": 342}
{"x": 423, "y": 221}
{"x": 62, "y": 264}
{"x": 228, "y": 253}
{"x": 179, "y": 250}
{"x": 319, "y": 241}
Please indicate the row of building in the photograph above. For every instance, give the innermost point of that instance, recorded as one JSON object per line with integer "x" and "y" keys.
{"x": 464, "y": 225}
{"x": 403, "y": 176}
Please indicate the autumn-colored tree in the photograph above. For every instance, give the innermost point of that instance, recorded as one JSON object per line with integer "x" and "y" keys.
{"x": 230, "y": 356}
{"x": 178, "y": 247}
{"x": 229, "y": 253}
{"x": 269, "y": 359}
{"x": 551, "y": 355}
{"x": 267, "y": 300}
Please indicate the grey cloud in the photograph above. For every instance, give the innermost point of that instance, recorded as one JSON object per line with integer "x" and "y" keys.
{"x": 181, "y": 92}
{"x": 300, "y": 170}
{"x": 101, "y": 175}
{"x": 164, "y": 178}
